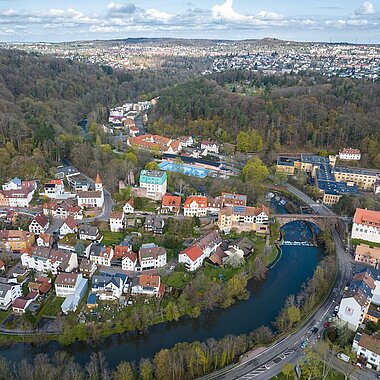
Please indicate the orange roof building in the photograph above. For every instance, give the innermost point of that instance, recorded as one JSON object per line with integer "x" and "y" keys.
{"x": 195, "y": 205}
{"x": 366, "y": 225}
{"x": 171, "y": 204}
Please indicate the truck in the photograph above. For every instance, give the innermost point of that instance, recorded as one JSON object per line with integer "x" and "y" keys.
{"x": 343, "y": 357}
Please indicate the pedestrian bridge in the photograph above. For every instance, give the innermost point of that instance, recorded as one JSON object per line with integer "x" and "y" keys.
{"x": 322, "y": 221}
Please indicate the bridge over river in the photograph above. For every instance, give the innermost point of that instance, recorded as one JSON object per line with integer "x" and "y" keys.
{"x": 322, "y": 221}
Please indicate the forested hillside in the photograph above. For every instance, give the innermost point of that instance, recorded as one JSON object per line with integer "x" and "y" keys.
{"x": 289, "y": 112}
{"x": 42, "y": 99}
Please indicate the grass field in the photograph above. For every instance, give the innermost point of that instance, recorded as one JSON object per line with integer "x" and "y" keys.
{"x": 110, "y": 238}
{"x": 370, "y": 243}
{"x": 178, "y": 280}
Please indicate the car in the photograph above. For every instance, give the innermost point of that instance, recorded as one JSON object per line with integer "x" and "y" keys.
{"x": 326, "y": 325}
{"x": 314, "y": 330}
{"x": 336, "y": 308}
{"x": 303, "y": 344}
{"x": 330, "y": 319}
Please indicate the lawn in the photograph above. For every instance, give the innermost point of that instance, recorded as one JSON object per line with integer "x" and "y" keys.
{"x": 178, "y": 280}
{"x": 360, "y": 241}
{"x": 110, "y": 238}
{"x": 272, "y": 257}
{"x": 216, "y": 273}
{"x": 51, "y": 307}
{"x": 4, "y": 314}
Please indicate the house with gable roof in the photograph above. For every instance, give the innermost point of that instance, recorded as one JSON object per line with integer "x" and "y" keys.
{"x": 195, "y": 205}
{"x": 39, "y": 224}
{"x": 147, "y": 285}
{"x": 69, "y": 226}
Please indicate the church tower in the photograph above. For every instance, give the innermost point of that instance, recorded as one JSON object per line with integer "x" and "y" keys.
{"x": 98, "y": 183}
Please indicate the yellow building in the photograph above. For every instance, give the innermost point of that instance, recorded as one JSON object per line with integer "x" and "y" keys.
{"x": 364, "y": 179}
{"x": 16, "y": 240}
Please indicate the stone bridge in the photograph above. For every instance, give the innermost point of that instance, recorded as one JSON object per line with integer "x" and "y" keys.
{"x": 322, "y": 221}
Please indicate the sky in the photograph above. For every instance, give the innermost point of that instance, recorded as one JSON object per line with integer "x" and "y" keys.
{"x": 299, "y": 20}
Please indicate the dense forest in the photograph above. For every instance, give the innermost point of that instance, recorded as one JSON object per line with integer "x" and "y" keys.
{"x": 42, "y": 99}
{"x": 291, "y": 113}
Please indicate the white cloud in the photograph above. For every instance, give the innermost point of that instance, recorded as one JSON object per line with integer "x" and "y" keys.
{"x": 226, "y": 12}
{"x": 367, "y": 8}
{"x": 158, "y": 15}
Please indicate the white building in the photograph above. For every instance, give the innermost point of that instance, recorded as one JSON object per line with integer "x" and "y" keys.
{"x": 151, "y": 256}
{"x": 100, "y": 255}
{"x": 155, "y": 183}
{"x": 147, "y": 285}
{"x": 117, "y": 221}
{"x": 349, "y": 154}
{"x": 54, "y": 189}
{"x": 108, "y": 287}
{"x": 194, "y": 255}
{"x": 129, "y": 207}
{"x": 69, "y": 226}
{"x": 73, "y": 287}
{"x": 356, "y": 299}
{"x": 13, "y": 184}
{"x": 39, "y": 224}
{"x": 8, "y": 293}
{"x": 366, "y": 225}
{"x": 17, "y": 195}
{"x": 195, "y": 205}
{"x": 129, "y": 261}
{"x": 48, "y": 260}
{"x": 92, "y": 198}
{"x": 209, "y": 146}
{"x": 367, "y": 348}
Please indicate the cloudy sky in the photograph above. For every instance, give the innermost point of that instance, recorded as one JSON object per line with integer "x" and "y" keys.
{"x": 301, "y": 20}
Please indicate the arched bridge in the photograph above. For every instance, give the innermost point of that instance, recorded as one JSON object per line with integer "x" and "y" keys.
{"x": 322, "y": 221}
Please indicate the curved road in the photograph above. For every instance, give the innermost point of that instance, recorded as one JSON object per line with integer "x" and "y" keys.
{"x": 270, "y": 362}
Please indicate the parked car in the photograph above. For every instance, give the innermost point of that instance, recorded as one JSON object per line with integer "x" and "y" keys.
{"x": 314, "y": 330}
{"x": 326, "y": 325}
{"x": 336, "y": 308}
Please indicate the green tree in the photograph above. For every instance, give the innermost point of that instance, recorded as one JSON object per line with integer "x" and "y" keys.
{"x": 131, "y": 157}
{"x": 242, "y": 142}
{"x": 152, "y": 165}
{"x": 255, "y": 172}
{"x": 256, "y": 142}
{"x": 171, "y": 311}
{"x": 288, "y": 370}
{"x": 124, "y": 371}
{"x": 146, "y": 369}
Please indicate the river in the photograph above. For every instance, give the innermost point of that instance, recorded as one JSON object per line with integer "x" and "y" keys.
{"x": 266, "y": 300}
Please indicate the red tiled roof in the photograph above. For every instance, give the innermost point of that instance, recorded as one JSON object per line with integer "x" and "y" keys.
{"x": 193, "y": 252}
{"x": 149, "y": 280}
{"x": 368, "y": 217}
{"x": 171, "y": 200}
{"x": 200, "y": 200}
{"x": 70, "y": 222}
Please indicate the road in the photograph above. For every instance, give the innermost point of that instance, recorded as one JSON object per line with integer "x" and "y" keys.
{"x": 270, "y": 362}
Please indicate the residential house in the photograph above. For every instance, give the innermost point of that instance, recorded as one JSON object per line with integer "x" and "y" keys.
{"x": 62, "y": 209}
{"x": 21, "y": 304}
{"x": 124, "y": 257}
{"x": 39, "y": 224}
{"x": 69, "y": 226}
{"x": 13, "y": 184}
{"x": 154, "y": 182}
{"x": 44, "y": 240}
{"x": 242, "y": 247}
{"x": 16, "y": 240}
{"x": 232, "y": 199}
{"x": 129, "y": 207}
{"x": 147, "y": 285}
{"x": 79, "y": 182}
{"x": 151, "y": 256}
{"x": 170, "y": 204}
{"x": 219, "y": 257}
{"x": 214, "y": 205}
{"x": 244, "y": 218}
{"x": 154, "y": 223}
{"x": 87, "y": 268}
{"x": 117, "y": 221}
{"x": 186, "y": 141}
{"x": 366, "y": 225}
{"x": 46, "y": 260}
{"x": 8, "y": 293}
{"x": 108, "y": 287}
{"x": 100, "y": 255}
{"x": 368, "y": 255}
{"x": 21, "y": 196}
{"x": 41, "y": 285}
{"x": 66, "y": 172}
{"x": 350, "y": 154}
{"x": 54, "y": 189}
{"x": 87, "y": 232}
{"x": 73, "y": 287}
{"x": 209, "y": 147}
{"x": 367, "y": 349}
{"x": 194, "y": 255}
{"x": 195, "y": 205}
{"x": 357, "y": 299}
{"x": 92, "y": 198}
